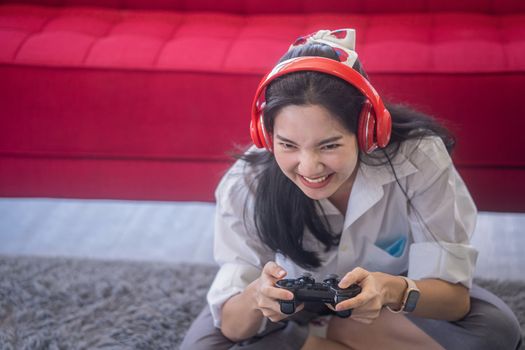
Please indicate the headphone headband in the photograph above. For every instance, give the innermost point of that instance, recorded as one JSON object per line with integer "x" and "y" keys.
{"x": 328, "y": 66}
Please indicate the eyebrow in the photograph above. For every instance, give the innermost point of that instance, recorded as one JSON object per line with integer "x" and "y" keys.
{"x": 323, "y": 142}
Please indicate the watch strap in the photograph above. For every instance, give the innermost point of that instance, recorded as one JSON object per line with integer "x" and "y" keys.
{"x": 411, "y": 287}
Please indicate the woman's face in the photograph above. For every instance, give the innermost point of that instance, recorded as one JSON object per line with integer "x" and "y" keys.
{"x": 315, "y": 151}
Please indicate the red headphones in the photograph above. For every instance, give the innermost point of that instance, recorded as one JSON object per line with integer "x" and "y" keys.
{"x": 375, "y": 122}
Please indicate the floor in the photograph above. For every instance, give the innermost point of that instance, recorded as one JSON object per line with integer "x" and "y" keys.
{"x": 183, "y": 232}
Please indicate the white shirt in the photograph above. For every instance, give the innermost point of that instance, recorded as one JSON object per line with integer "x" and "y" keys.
{"x": 379, "y": 231}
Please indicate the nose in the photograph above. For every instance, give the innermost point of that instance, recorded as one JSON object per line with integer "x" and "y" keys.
{"x": 310, "y": 164}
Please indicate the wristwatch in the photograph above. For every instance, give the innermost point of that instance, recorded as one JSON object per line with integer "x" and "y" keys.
{"x": 410, "y": 297}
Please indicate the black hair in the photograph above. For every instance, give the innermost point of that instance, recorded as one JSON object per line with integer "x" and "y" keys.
{"x": 281, "y": 210}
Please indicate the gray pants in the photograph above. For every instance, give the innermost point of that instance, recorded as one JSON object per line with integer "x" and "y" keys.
{"x": 490, "y": 324}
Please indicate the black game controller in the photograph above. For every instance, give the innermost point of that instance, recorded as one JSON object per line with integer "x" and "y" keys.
{"x": 305, "y": 288}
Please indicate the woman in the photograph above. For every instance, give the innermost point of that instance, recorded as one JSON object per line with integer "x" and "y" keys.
{"x": 345, "y": 185}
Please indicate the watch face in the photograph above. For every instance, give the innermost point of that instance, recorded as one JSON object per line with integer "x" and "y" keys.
{"x": 411, "y": 302}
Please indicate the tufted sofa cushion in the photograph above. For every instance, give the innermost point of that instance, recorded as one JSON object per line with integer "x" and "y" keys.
{"x": 221, "y": 42}
{"x": 148, "y": 97}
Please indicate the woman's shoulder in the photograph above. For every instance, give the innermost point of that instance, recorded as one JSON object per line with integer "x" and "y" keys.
{"x": 427, "y": 152}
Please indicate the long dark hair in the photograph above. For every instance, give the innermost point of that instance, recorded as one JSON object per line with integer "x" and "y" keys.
{"x": 281, "y": 210}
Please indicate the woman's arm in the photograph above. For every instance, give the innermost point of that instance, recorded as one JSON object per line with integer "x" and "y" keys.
{"x": 241, "y": 319}
{"x": 438, "y": 299}
{"x": 243, "y": 313}
{"x": 441, "y": 217}
{"x": 240, "y": 254}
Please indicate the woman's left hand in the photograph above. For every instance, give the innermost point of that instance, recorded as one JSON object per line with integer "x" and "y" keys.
{"x": 366, "y": 305}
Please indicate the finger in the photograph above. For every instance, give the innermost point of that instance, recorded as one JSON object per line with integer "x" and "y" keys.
{"x": 356, "y": 302}
{"x": 362, "y": 320}
{"x": 277, "y": 318}
{"x": 272, "y": 314}
{"x": 272, "y": 269}
{"x": 355, "y": 276}
{"x": 267, "y": 303}
{"x": 366, "y": 313}
{"x": 330, "y": 306}
{"x": 273, "y": 293}
{"x": 299, "y": 308}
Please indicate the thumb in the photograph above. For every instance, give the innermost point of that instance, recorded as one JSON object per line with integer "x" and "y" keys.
{"x": 272, "y": 269}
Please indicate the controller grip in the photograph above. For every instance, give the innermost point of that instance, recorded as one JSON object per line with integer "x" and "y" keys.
{"x": 344, "y": 313}
{"x": 287, "y": 306}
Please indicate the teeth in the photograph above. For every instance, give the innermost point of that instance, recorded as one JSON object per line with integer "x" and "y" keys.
{"x": 320, "y": 179}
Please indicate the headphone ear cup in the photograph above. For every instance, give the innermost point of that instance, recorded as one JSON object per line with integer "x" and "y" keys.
{"x": 254, "y": 132}
{"x": 258, "y": 133}
{"x": 266, "y": 141}
{"x": 366, "y": 128}
{"x": 261, "y": 133}
{"x": 383, "y": 129}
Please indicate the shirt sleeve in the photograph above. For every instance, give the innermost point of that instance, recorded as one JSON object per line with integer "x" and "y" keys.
{"x": 442, "y": 219}
{"x": 237, "y": 247}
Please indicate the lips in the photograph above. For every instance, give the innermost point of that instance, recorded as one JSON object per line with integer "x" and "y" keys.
{"x": 316, "y": 182}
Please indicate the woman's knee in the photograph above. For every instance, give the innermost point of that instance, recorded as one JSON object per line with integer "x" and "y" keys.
{"x": 388, "y": 331}
{"x": 494, "y": 328}
{"x": 504, "y": 331}
{"x": 202, "y": 334}
{"x": 349, "y": 332}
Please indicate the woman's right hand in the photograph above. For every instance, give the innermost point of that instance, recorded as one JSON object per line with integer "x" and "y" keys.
{"x": 267, "y": 295}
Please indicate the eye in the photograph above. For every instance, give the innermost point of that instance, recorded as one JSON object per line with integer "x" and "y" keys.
{"x": 286, "y": 146}
{"x": 331, "y": 146}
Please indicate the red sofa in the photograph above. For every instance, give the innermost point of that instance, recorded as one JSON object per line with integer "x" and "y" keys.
{"x": 136, "y": 99}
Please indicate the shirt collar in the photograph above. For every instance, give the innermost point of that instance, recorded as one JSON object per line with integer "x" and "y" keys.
{"x": 368, "y": 187}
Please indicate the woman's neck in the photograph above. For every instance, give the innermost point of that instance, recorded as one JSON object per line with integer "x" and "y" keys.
{"x": 340, "y": 198}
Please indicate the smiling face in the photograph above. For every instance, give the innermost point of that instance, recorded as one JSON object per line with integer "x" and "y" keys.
{"x": 316, "y": 152}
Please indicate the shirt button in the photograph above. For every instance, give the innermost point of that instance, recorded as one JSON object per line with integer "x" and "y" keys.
{"x": 344, "y": 248}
